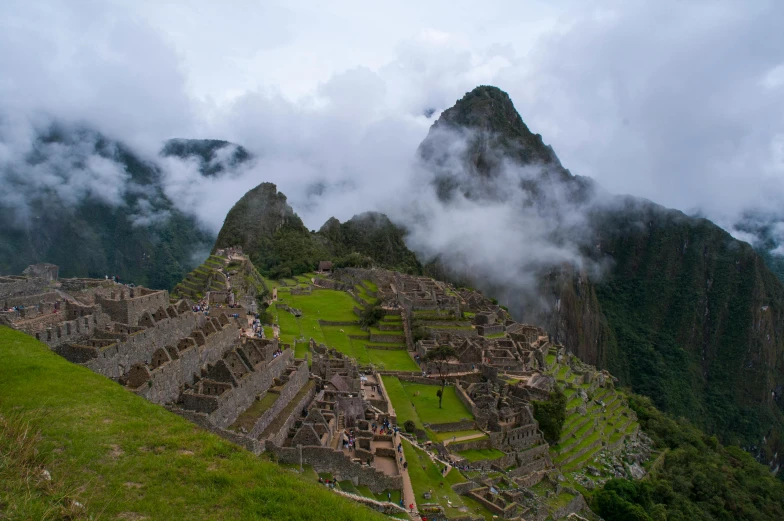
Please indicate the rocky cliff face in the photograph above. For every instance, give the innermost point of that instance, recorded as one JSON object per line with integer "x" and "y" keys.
{"x": 674, "y": 306}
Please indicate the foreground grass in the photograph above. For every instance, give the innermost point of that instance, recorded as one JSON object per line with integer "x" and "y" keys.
{"x": 123, "y": 457}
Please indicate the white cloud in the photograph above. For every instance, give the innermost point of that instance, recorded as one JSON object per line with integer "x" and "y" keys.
{"x": 677, "y": 103}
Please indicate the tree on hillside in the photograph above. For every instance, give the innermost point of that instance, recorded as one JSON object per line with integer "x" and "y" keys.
{"x": 371, "y": 316}
{"x": 440, "y": 358}
{"x": 551, "y": 415}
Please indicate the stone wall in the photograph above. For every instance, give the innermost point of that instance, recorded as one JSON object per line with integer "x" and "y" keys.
{"x": 128, "y": 309}
{"x": 70, "y": 331}
{"x": 393, "y": 339}
{"x": 325, "y": 459}
{"x": 167, "y": 381}
{"x": 296, "y": 382}
{"x": 384, "y": 507}
{"x": 467, "y": 401}
{"x": 464, "y": 425}
{"x": 332, "y": 284}
{"x": 116, "y": 360}
{"x": 203, "y": 421}
{"x": 18, "y": 286}
{"x": 279, "y": 437}
{"x": 337, "y": 323}
{"x": 235, "y": 400}
{"x": 463, "y": 333}
{"x": 490, "y": 330}
{"x": 30, "y": 300}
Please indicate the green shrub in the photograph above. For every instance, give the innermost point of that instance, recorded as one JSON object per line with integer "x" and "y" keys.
{"x": 551, "y": 415}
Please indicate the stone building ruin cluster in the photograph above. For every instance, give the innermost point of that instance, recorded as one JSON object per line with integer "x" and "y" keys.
{"x": 253, "y": 391}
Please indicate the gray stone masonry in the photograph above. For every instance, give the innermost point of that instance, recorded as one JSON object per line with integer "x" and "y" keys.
{"x": 127, "y": 305}
{"x": 168, "y": 380}
{"x": 236, "y": 399}
{"x": 325, "y": 459}
{"x": 115, "y": 360}
{"x": 70, "y": 331}
{"x": 203, "y": 421}
{"x": 278, "y": 438}
{"x": 296, "y": 382}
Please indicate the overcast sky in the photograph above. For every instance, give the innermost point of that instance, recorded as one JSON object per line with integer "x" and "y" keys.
{"x": 679, "y": 102}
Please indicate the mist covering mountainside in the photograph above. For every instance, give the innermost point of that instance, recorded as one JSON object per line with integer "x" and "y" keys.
{"x": 674, "y": 306}
{"x": 95, "y": 208}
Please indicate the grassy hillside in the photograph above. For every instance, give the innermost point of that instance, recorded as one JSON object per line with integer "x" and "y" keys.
{"x": 125, "y": 458}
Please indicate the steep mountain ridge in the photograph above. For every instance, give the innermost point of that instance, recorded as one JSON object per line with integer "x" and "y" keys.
{"x": 280, "y": 245}
{"x": 683, "y": 312}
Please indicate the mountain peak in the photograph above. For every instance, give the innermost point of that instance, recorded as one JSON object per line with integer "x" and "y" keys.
{"x": 472, "y": 143}
{"x": 489, "y": 111}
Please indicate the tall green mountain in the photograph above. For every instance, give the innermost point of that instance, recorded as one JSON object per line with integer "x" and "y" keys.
{"x": 280, "y": 245}
{"x": 675, "y": 307}
{"x": 98, "y": 209}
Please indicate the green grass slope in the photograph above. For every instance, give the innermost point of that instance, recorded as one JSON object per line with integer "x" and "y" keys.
{"x": 125, "y": 458}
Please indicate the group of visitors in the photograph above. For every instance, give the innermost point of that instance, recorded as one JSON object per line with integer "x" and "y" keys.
{"x": 258, "y": 329}
{"x": 277, "y": 353}
{"x": 202, "y": 306}
{"x": 385, "y": 428}
{"x": 330, "y": 483}
{"x": 348, "y": 440}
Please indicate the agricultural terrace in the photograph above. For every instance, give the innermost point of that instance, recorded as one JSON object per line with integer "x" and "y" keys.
{"x": 608, "y": 421}
{"x": 338, "y": 306}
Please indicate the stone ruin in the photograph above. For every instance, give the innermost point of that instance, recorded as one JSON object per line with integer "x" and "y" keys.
{"x": 200, "y": 365}
{"x": 255, "y": 393}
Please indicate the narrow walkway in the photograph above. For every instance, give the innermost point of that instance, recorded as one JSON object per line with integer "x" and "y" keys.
{"x": 464, "y": 438}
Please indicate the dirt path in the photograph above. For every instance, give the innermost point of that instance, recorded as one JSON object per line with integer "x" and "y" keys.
{"x": 464, "y": 438}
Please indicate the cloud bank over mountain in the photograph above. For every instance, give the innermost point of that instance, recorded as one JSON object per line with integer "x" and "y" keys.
{"x": 676, "y": 103}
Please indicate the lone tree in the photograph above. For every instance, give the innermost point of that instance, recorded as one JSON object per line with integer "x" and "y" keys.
{"x": 371, "y": 316}
{"x": 440, "y": 358}
{"x": 551, "y": 415}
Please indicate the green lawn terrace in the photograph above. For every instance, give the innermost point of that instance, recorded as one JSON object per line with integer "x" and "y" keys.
{"x": 600, "y": 428}
{"x": 366, "y": 293}
{"x": 418, "y": 403}
{"x": 296, "y": 281}
{"x": 205, "y": 277}
{"x": 328, "y": 316}
{"x": 122, "y": 457}
{"x": 442, "y": 321}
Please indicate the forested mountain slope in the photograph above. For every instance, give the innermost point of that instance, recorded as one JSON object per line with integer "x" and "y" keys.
{"x": 676, "y": 308}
